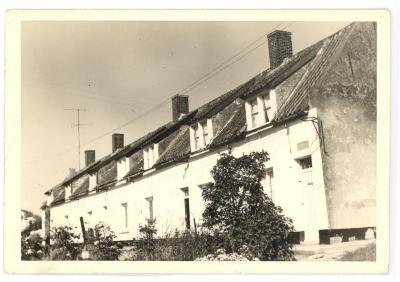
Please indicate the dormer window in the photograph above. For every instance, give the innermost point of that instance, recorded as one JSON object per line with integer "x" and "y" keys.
{"x": 267, "y": 107}
{"x": 150, "y": 155}
{"x": 200, "y": 134}
{"x": 260, "y": 110}
{"x": 197, "y": 136}
{"x": 254, "y": 113}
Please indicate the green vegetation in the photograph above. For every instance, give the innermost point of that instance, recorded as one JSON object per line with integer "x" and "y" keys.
{"x": 367, "y": 253}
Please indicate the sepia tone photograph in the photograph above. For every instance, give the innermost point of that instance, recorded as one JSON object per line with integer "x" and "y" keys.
{"x": 203, "y": 141}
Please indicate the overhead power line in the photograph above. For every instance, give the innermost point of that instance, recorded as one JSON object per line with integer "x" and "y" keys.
{"x": 222, "y": 66}
{"x": 226, "y": 61}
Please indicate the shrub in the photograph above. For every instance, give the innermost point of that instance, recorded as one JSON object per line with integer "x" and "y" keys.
{"x": 63, "y": 246}
{"x": 32, "y": 247}
{"x": 221, "y": 255}
{"x": 178, "y": 246}
{"x": 237, "y": 208}
{"x": 105, "y": 249}
{"x": 146, "y": 243}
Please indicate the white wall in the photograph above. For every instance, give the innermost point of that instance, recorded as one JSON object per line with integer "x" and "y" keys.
{"x": 306, "y": 205}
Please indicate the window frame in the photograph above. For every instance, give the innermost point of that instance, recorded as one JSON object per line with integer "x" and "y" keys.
{"x": 254, "y": 114}
{"x": 186, "y": 206}
{"x": 269, "y": 178}
{"x": 125, "y": 215}
{"x": 201, "y": 134}
{"x": 150, "y": 155}
{"x": 306, "y": 170}
{"x": 197, "y": 136}
{"x": 260, "y": 109}
{"x": 150, "y": 201}
{"x": 265, "y": 108}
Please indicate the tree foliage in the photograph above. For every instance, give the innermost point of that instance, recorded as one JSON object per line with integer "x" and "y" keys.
{"x": 105, "y": 248}
{"x": 63, "y": 244}
{"x": 32, "y": 246}
{"x": 33, "y": 222}
{"x": 146, "y": 243}
{"x": 237, "y": 207}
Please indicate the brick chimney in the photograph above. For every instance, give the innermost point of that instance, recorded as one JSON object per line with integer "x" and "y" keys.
{"x": 117, "y": 141}
{"x": 279, "y": 47}
{"x": 180, "y": 106}
{"x": 90, "y": 157}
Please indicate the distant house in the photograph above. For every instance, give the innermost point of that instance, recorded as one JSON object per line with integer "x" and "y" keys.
{"x": 30, "y": 222}
{"x": 313, "y": 112}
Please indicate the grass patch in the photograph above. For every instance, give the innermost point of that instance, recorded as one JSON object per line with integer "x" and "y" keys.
{"x": 367, "y": 253}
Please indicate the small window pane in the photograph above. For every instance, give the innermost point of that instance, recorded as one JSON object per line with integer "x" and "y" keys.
{"x": 254, "y": 107}
{"x": 125, "y": 214}
{"x": 267, "y": 107}
{"x": 306, "y": 166}
{"x": 196, "y": 136}
{"x": 150, "y": 202}
{"x": 269, "y": 180}
{"x": 254, "y": 113}
{"x": 205, "y": 133}
{"x": 267, "y": 101}
{"x": 306, "y": 163}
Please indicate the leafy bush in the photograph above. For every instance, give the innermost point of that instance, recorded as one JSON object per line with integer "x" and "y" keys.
{"x": 221, "y": 255}
{"x": 105, "y": 249}
{"x": 178, "y": 246}
{"x": 32, "y": 247}
{"x": 63, "y": 245}
{"x": 146, "y": 243}
{"x": 237, "y": 207}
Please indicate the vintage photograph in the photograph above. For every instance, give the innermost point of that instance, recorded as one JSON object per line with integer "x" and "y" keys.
{"x": 199, "y": 141}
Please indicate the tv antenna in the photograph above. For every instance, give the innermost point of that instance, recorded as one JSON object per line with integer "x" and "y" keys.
{"x": 78, "y": 125}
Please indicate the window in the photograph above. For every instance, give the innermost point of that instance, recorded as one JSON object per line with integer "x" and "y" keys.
{"x": 306, "y": 170}
{"x": 267, "y": 107}
{"x": 201, "y": 134}
{"x": 186, "y": 206}
{"x": 150, "y": 203}
{"x": 260, "y": 110}
{"x": 269, "y": 181}
{"x": 254, "y": 113}
{"x": 206, "y": 137}
{"x": 125, "y": 214}
{"x": 196, "y": 129}
{"x": 150, "y": 155}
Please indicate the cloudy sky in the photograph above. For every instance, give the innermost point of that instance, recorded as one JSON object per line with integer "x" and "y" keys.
{"x": 120, "y": 70}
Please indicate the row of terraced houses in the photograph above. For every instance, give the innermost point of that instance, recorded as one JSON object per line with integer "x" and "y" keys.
{"x": 314, "y": 112}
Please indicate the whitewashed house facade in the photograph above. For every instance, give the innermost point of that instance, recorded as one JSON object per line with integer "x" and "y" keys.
{"x": 290, "y": 111}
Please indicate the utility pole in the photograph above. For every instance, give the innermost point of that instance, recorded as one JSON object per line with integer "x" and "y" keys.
{"x": 78, "y": 125}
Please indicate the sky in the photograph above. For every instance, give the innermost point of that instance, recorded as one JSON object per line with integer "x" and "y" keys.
{"x": 118, "y": 71}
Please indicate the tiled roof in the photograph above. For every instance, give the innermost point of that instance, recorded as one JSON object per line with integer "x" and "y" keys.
{"x": 58, "y": 196}
{"x": 234, "y": 129}
{"x": 314, "y": 59}
{"x": 136, "y": 163}
{"x": 178, "y": 149}
{"x": 82, "y": 188}
{"x": 296, "y": 101}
